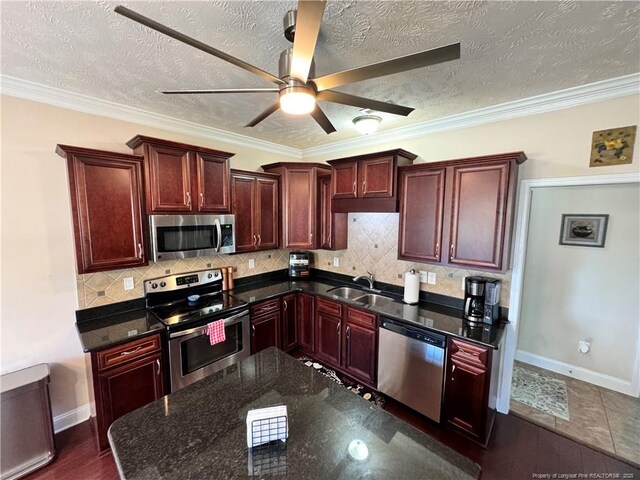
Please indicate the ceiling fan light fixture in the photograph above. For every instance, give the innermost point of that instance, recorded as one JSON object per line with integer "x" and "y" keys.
{"x": 367, "y": 124}
{"x": 297, "y": 100}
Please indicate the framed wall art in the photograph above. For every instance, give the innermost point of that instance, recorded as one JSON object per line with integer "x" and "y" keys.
{"x": 583, "y": 230}
{"x": 612, "y": 147}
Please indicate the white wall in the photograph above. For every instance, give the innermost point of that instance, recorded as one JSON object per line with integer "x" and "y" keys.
{"x": 573, "y": 293}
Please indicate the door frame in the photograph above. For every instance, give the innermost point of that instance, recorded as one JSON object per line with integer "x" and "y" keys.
{"x": 517, "y": 278}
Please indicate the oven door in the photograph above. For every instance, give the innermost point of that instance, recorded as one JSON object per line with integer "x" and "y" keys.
{"x": 192, "y": 357}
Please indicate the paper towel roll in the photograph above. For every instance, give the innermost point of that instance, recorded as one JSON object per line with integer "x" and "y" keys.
{"x": 411, "y": 287}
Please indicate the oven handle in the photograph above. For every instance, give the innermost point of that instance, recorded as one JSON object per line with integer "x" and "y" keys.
{"x": 219, "y": 229}
{"x": 227, "y": 321}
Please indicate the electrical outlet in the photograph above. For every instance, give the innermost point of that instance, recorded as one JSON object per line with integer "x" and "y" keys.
{"x": 336, "y": 261}
{"x": 431, "y": 278}
{"x": 252, "y": 263}
{"x": 423, "y": 276}
{"x": 128, "y": 283}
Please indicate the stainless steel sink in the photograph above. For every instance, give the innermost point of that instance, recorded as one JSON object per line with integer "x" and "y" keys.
{"x": 374, "y": 300}
{"x": 347, "y": 293}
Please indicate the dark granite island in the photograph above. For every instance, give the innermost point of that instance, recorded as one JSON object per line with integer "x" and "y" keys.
{"x": 200, "y": 432}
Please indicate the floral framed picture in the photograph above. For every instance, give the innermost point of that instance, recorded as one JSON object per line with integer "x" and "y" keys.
{"x": 612, "y": 147}
{"x": 583, "y": 230}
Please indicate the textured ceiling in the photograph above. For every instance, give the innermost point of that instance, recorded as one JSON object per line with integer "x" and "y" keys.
{"x": 510, "y": 50}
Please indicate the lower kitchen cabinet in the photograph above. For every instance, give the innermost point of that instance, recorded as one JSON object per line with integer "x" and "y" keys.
{"x": 328, "y": 345}
{"x": 124, "y": 378}
{"x": 306, "y": 323}
{"x": 360, "y": 358}
{"x": 265, "y": 325}
{"x": 470, "y": 389}
{"x": 289, "y": 322}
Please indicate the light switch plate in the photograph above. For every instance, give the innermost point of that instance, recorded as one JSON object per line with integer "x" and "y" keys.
{"x": 252, "y": 263}
{"x": 431, "y": 278}
{"x": 423, "y": 276}
{"x": 128, "y": 283}
{"x": 336, "y": 261}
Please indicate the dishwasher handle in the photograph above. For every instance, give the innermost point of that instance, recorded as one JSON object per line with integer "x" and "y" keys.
{"x": 420, "y": 334}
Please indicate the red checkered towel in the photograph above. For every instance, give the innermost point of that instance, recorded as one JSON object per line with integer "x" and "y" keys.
{"x": 215, "y": 330}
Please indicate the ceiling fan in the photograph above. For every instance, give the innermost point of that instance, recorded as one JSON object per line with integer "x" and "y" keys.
{"x": 297, "y": 85}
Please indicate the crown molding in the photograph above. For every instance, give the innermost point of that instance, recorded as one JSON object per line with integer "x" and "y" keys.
{"x": 37, "y": 92}
{"x": 548, "y": 102}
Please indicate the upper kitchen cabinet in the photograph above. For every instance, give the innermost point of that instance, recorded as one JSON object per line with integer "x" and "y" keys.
{"x": 106, "y": 203}
{"x": 459, "y": 212}
{"x": 298, "y": 200}
{"x": 333, "y": 226}
{"x": 183, "y": 178}
{"x": 254, "y": 201}
{"x": 367, "y": 183}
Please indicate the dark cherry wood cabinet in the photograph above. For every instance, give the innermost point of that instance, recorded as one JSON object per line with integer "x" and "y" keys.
{"x": 182, "y": 178}
{"x": 306, "y": 322}
{"x": 333, "y": 226}
{"x": 106, "y": 202}
{"x": 298, "y": 203}
{"x": 124, "y": 378}
{"x": 265, "y": 325}
{"x": 329, "y": 338}
{"x": 470, "y": 389}
{"x": 360, "y": 347}
{"x": 459, "y": 212}
{"x": 289, "y": 322}
{"x": 254, "y": 198}
{"x": 367, "y": 183}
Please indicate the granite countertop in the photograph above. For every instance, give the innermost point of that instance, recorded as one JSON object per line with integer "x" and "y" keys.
{"x": 200, "y": 431}
{"x": 435, "y": 317}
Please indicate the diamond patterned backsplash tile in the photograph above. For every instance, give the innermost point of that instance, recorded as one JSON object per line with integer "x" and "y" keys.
{"x": 102, "y": 288}
{"x": 373, "y": 247}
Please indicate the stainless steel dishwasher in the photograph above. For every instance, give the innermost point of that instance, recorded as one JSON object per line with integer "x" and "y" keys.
{"x": 411, "y": 366}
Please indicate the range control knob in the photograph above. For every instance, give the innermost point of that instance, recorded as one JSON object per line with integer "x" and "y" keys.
{"x": 154, "y": 285}
{"x": 163, "y": 284}
{"x": 210, "y": 275}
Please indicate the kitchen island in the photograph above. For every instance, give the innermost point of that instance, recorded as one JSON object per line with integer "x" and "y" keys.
{"x": 200, "y": 431}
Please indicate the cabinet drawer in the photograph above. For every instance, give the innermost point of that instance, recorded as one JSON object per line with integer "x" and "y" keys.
{"x": 127, "y": 352}
{"x": 469, "y": 353}
{"x": 329, "y": 307}
{"x": 265, "y": 307}
{"x": 366, "y": 319}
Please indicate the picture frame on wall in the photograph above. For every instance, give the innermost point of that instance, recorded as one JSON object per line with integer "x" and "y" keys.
{"x": 583, "y": 230}
{"x": 613, "y": 146}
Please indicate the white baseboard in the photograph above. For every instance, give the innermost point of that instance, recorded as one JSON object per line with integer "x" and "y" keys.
{"x": 72, "y": 417}
{"x": 596, "y": 378}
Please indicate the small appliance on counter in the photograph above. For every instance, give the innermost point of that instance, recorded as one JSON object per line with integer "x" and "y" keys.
{"x": 481, "y": 300}
{"x": 299, "y": 264}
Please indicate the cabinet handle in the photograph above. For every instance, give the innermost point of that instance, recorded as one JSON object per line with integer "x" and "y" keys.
{"x": 158, "y": 365}
{"x": 285, "y": 305}
{"x": 338, "y": 328}
{"x": 354, "y": 187}
{"x": 451, "y": 251}
{"x": 140, "y": 250}
{"x": 129, "y": 352}
{"x": 364, "y": 186}
{"x": 254, "y": 240}
{"x": 188, "y": 199}
{"x": 259, "y": 240}
{"x": 253, "y": 330}
{"x": 453, "y": 369}
{"x": 438, "y": 250}
{"x": 348, "y": 332}
{"x": 202, "y": 199}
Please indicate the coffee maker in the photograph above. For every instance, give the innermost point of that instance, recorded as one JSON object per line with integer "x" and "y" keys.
{"x": 481, "y": 300}
{"x": 491, "y": 301}
{"x": 299, "y": 263}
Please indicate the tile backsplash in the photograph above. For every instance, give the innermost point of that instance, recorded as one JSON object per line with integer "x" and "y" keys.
{"x": 373, "y": 247}
{"x": 102, "y": 288}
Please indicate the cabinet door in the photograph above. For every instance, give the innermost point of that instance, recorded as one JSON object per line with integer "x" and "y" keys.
{"x": 376, "y": 178}
{"x": 300, "y": 216}
{"x": 478, "y": 215}
{"x": 289, "y": 322}
{"x": 106, "y": 200}
{"x": 333, "y": 226}
{"x": 169, "y": 180}
{"x": 267, "y": 214}
{"x": 344, "y": 179}
{"x": 306, "y": 324}
{"x": 421, "y": 208}
{"x": 360, "y": 352}
{"x": 265, "y": 332}
{"x": 465, "y": 403}
{"x": 329, "y": 339}
{"x": 243, "y": 205}
{"x": 127, "y": 387}
{"x": 212, "y": 174}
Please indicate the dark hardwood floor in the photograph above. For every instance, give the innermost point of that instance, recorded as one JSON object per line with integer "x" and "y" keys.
{"x": 517, "y": 450}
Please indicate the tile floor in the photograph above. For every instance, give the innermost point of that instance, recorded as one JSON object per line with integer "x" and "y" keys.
{"x": 601, "y": 418}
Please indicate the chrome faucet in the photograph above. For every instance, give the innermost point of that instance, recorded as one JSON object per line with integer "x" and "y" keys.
{"x": 368, "y": 277}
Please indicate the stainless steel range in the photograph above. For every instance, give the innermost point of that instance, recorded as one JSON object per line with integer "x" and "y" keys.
{"x": 186, "y": 304}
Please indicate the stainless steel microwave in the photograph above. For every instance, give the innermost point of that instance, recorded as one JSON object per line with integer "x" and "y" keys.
{"x": 182, "y": 236}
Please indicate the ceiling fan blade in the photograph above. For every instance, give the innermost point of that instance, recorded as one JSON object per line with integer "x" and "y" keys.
{"x": 400, "y": 64}
{"x": 221, "y": 90}
{"x": 322, "y": 120}
{"x": 308, "y": 20}
{"x": 264, "y": 114}
{"x": 352, "y": 100}
{"x": 152, "y": 24}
